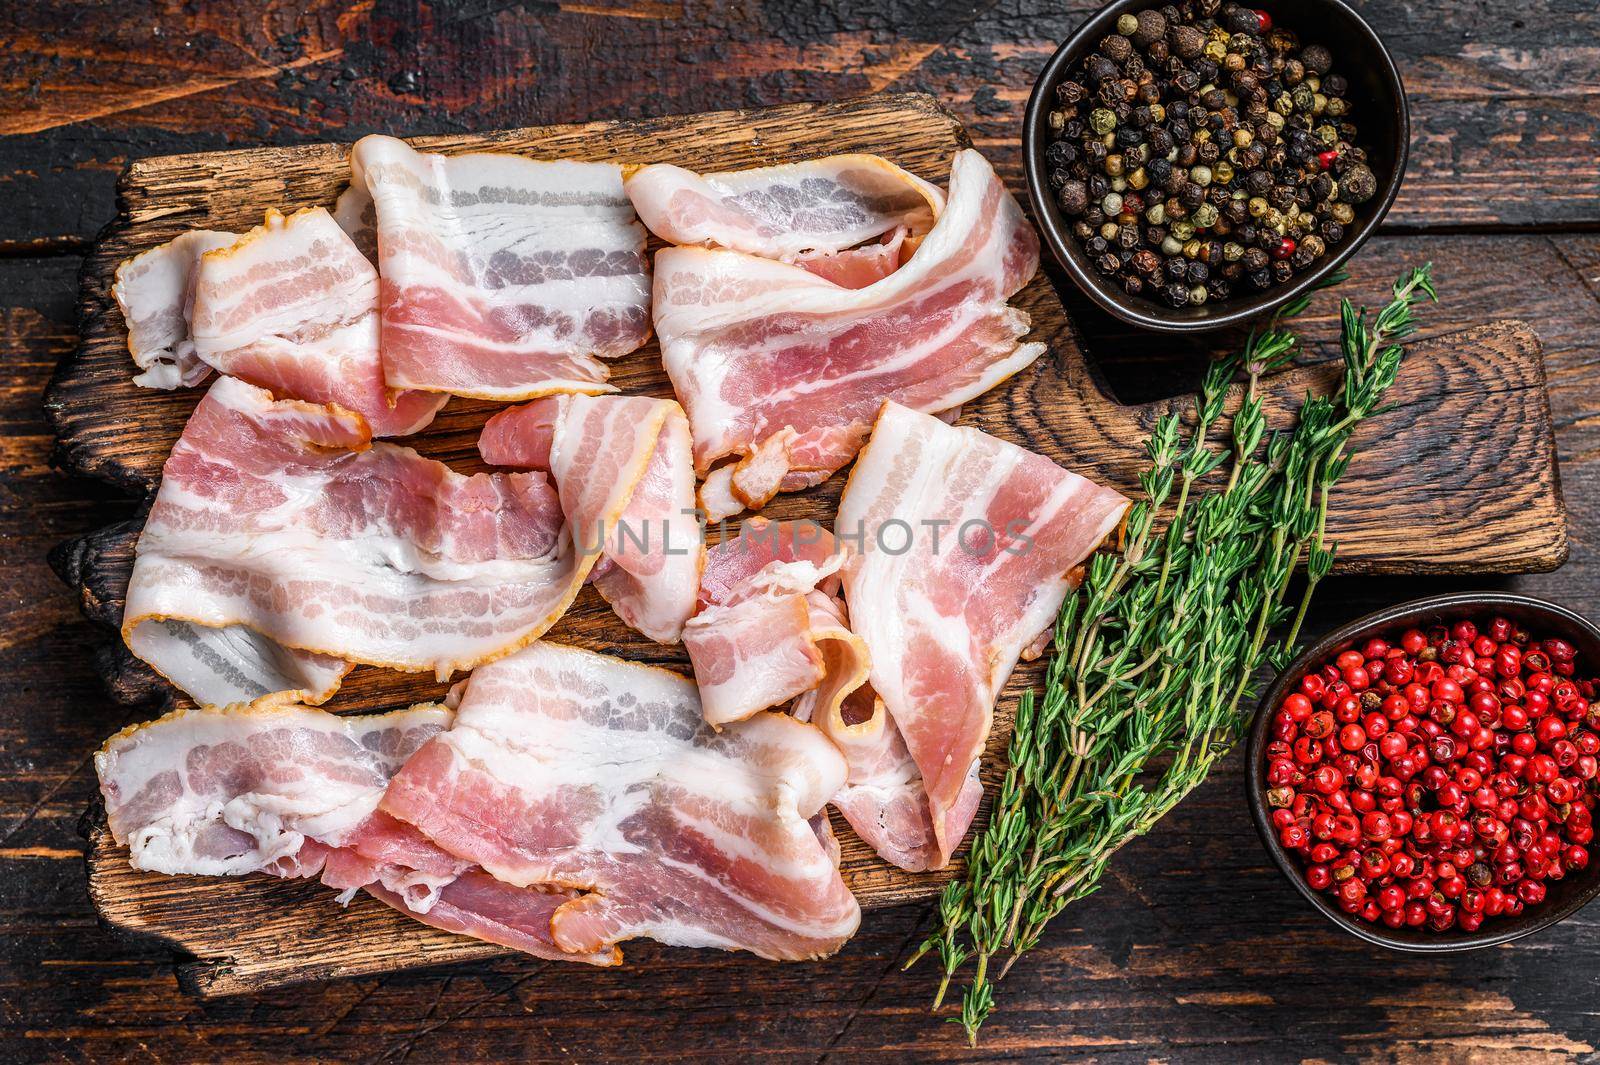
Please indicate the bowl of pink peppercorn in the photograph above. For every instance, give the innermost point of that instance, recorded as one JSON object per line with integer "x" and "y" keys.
{"x": 1427, "y": 776}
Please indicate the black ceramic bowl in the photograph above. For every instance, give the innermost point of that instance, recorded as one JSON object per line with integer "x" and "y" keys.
{"x": 1566, "y": 896}
{"x": 1378, "y": 109}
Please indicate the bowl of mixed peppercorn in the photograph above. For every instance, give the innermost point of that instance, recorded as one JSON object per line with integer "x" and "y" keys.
{"x": 1428, "y": 776}
{"x": 1196, "y": 164}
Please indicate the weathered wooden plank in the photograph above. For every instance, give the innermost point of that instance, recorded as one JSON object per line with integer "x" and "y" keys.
{"x": 1505, "y": 131}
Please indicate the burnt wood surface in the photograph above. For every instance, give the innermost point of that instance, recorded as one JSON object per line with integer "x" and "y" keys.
{"x": 1194, "y": 950}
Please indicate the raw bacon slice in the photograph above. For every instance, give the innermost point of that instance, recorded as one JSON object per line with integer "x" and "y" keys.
{"x": 566, "y": 767}
{"x": 767, "y": 633}
{"x": 234, "y": 790}
{"x": 945, "y": 617}
{"x": 755, "y": 346}
{"x": 784, "y": 212}
{"x": 282, "y": 517}
{"x": 290, "y": 791}
{"x": 292, "y": 306}
{"x": 654, "y": 552}
{"x": 155, "y": 290}
{"x": 503, "y": 278}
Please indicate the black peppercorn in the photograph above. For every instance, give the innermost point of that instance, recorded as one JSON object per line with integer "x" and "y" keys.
{"x": 1130, "y": 135}
{"x": 1095, "y": 246}
{"x": 1176, "y": 294}
{"x": 1071, "y": 93}
{"x": 1146, "y": 261}
{"x": 1116, "y": 47}
{"x": 1357, "y": 185}
{"x": 1256, "y": 259}
{"x": 1073, "y": 197}
{"x": 1187, "y": 41}
{"x": 1317, "y": 59}
{"x": 1218, "y": 289}
{"x": 1152, "y": 27}
{"x": 1132, "y": 285}
{"x": 1332, "y": 232}
{"x": 1176, "y": 269}
{"x": 1108, "y": 263}
{"x": 1198, "y": 273}
{"x": 1261, "y": 279}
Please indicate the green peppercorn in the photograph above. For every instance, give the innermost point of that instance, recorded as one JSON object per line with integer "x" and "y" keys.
{"x": 1259, "y": 207}
{"x": 1182, "y": 231}
{"x": 1205, "y": 216}
{"x": 1336, "y": 107}
{"x": 1222, "y": 173}
{"x": 1138, "y": 179}
{"x": 1232, "y": 251}
{"x": 1102, "y": 121}
{"x": 1313, "y": 246}
{"x": 1109, "y": 230}
{"x": 1171, "y": 246}
{"x": 1200, "y": 175}
{"x": 1156, "y": 214}
{"x": 1197, "y": 295}
{"x": 1127, "y": 25}
{"x": 1242, "y": 137}
{"x": 1191, "y": 248}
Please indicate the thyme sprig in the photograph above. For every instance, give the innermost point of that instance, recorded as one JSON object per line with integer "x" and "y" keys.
{"x": 1158, "y": 648}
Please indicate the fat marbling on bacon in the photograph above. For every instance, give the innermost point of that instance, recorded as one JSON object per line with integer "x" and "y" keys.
{"x": 283, "y": 545}
{"x": 155, "y": 290}
{"x": 502, "y": 277}
{"x": 967, "y": 546}
{"x": 821, "y": 207}
{"x": 292, "y": 306}
{"x": 784, "y": 370}
{"x": 651, "y": 556}
{"x": 572, "y": 768}
{"x": 292, "y": 791}
{"x": 771, "y": 627}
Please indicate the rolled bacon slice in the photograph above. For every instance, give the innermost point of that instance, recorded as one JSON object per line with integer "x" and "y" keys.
{"x": 155, "y": 290}
{"x": 820, "y": 207}
{"x": 772, "y": 627}
{"x": 282, "y": 518}
{"x": 572, "y": 768}
{"x": 292, "y": 306}
{"x": 502, "y": 277}
{"x": 292, "y": 791}
{"x": 758, "y": 349}
{"x": 651, "y": 556}
{"x": 946, "y": 616}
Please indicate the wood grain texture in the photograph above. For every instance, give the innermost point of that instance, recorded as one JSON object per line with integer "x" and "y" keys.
{"x": 108, "y": 428}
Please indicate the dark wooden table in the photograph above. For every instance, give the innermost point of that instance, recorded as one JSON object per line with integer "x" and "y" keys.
{"x": 1194, "y": 950}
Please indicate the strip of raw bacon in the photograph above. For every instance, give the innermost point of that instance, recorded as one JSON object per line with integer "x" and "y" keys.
{"x": 755, "y": 347}
{"x": 292, "y": 306}
{"x": 155, "y": 290}
{"x": 282, "y": 517}
{"x": 566, "y": 767}
{"x": 652, "y": 555}
{"x": 223, "y": 791}
{"x": 502, "y": 277}
{"x": 821, "y": 206}
{"x": 946, "y": 616}
{"x": 292, "y": 791}
{"x": 767, "y": 632}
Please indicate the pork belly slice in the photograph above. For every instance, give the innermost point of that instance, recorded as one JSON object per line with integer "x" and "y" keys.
{"x": 293, "y": 791}
{"x": 771, "y": 626}
{"x": 817, "y": 208}
{"x": 155, "y": 290}
{"x": 762, "y": 351}
{"x": 946, "y": 616}
{"x": 571, "y": 768}
{"x": 650, "y": 558}
{"x": 502, "y": 277}
{"x": 292, "y": 306}
{"x": 283, "y": 518}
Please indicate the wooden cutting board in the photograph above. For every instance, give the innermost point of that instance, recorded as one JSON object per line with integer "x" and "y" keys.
{"x": 1417, "y": 499}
